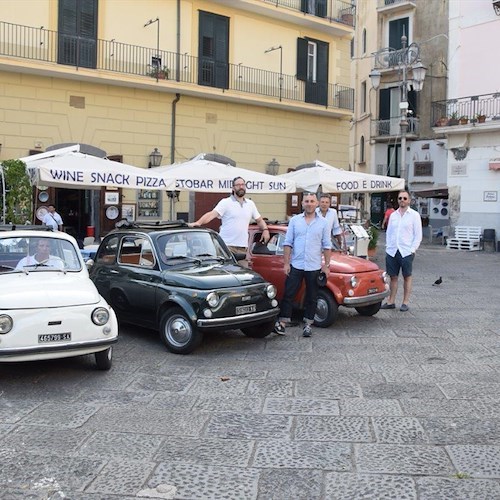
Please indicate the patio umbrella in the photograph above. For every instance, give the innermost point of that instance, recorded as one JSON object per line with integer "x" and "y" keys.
{"x": 72, "y": 169}
{"x": 336, "y": 180}
{"x": 199, "y": 174}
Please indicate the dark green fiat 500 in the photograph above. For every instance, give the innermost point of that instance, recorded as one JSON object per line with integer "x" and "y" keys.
{"x": 182, "y": 282}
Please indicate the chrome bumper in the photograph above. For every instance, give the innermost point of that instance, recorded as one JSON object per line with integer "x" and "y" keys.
{"x": 238, "y": 321}
{"x": 366, "y": 300}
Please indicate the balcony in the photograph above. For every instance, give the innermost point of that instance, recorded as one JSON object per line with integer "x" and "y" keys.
{"x": 70, "y": 57}
{"x": 395, "y": 6}
{"x": 386, "y": 130}
{"x": 468, "y": 112}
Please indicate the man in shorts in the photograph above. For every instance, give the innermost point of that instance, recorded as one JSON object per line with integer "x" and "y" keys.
{"x": 403, "y": 237}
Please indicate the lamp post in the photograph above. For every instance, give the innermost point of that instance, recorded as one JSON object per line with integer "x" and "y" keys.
{"x": 155, "y": 158}
{"x": 280, "y": 48}
{"x": 157, "y": 59}
{"x": 407, "y": 60}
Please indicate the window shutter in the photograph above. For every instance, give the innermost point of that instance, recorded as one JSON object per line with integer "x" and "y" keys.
{"x": 301, "y": 59}
{"x": 384, "y": 113}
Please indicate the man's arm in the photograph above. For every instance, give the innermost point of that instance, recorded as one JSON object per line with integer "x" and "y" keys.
{"x": 205, "y": 219}
{"x": 263, "y": 226}
{"x": 327, "y": 254}
{"x": 287, "y": 251}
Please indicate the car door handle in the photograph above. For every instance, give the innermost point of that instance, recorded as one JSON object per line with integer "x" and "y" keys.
{"x": 113, "y": 271}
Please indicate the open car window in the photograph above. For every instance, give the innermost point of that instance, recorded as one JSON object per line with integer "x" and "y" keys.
{"x": 273, "y": 247}
{"x": 136, "y": 250}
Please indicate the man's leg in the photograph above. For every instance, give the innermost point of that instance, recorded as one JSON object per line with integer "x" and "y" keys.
{"x": 292, "y": 284}
{"x": 407, "y": 270}
{"x": 408, "y": 281}
{"x": 392, "y": 267}
{"x": 311, "y": 299}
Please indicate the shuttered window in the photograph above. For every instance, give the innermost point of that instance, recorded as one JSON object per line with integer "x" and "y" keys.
{"x": 78, "y": 32}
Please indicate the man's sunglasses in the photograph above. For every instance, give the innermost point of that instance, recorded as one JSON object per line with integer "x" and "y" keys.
{"x": 402, "y": 198}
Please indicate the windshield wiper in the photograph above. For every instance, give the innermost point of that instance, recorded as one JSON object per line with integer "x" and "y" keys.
{"x": 183, "y": 257}
{"x": 209, "y": 256}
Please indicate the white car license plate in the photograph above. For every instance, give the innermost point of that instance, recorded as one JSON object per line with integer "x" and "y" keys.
{"x": 372, "y": 290}
{"x": 53, "y": 337}
{"x": 250, "y": 308}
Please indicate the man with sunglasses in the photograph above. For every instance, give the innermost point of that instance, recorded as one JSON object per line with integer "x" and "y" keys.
{"x": 403, "y": 237}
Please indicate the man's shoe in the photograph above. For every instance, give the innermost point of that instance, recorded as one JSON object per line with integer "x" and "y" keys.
{"x": 404, "y": 307}
{"x": 388, "y": 306}
{"x": 279, "y": 329}
{"x": 307, "y": 331}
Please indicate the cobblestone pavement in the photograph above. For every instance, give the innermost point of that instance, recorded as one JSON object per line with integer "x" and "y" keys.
{"x": 396, "y": 406}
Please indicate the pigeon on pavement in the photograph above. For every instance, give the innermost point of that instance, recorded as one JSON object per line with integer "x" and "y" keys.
{"x": 438, "y": 281}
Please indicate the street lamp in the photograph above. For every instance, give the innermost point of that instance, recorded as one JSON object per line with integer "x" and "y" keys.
{"x": 155, "y": 158}
{"x": 406, "y": 59}
{"x": 280, "y": 48}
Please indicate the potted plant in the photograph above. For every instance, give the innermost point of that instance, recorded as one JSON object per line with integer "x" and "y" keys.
{"x": 463, "y": 120}
{"x": 453, "y": 120}
{"x": 442, "y": 122}
{"x": 161, "y": 73}
{"x": 373, "y": 233}
{"x": 480, "y": 117}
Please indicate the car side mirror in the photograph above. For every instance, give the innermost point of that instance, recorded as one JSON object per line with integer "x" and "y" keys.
{"x": 89, "y": 263}
{"x": 240, "y": 256}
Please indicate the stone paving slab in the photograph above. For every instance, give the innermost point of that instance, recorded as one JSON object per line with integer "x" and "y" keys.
{"x": 393, "y": 406}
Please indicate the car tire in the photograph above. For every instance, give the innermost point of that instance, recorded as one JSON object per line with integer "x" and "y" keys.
{"x": 259, "y": 331}
{"x": 369, "y": 310}
{"x": 104, "y": 358}
{"x": 326, "y": 309}
{"x": 177, "y": 332}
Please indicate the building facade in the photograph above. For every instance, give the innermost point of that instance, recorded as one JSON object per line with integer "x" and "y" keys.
{"x": 251, "y": 81}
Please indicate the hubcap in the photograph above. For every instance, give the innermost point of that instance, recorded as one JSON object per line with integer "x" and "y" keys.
{"x": 321, "y": 310}
{"x": 178, "y": 331}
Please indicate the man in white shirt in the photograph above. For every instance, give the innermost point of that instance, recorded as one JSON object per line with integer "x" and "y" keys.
{"x": 330, "y": 214}
{"x": 235, "y": 213}
{"x": 53, "y": 219}
{"x": 403, "y": 237}
{"x": 41, "y": 257}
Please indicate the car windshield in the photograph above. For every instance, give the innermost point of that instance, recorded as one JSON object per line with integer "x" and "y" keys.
{"x": 37, "y": 253}
{"x": 191, "y": 246}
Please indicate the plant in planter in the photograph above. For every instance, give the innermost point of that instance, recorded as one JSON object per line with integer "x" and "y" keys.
{"x": 463, "y": 120}
{"x": 161, "y": 73}
{"x": 373, "y": 233}
{"x": 442, "y": 122}
{"x": 480, "y": 117}
{"x": 453, "y": 120}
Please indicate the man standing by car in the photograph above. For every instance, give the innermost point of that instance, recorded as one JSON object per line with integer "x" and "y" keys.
{"x": 330, "y": 214}
{"x": 235, "y": 213}
{"x": 403, "y": 237}
{"x": 53, "y": 219}
{"x": 308, "y": 237}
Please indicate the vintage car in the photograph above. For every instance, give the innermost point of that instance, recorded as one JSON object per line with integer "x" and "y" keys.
{"x": 49, "y": 308}
{"x": 182, "y": 282}
{"x": 353, "y": 281}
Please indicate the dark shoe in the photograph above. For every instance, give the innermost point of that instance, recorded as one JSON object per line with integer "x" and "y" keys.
{"x": 388, "y": 306}
{"x": 307, "y": 331}
{"x": 279, "y": 329}
{"x": 404, "y": 308}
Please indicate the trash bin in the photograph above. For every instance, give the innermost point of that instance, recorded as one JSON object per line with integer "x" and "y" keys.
{"x": 489, "y": 240}
{"x": 90, "y": 231}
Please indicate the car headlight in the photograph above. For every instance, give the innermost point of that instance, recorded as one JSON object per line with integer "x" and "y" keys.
{"x": 100, "y": 316}
{"x": 354, "y": 281}
{"x": 213, "y": 299}
{"x": 6, "y": 323}
{"x": 271, "y": 291}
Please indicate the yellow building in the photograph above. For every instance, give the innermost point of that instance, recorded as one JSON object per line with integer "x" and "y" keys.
{"x": 251, "y": 80}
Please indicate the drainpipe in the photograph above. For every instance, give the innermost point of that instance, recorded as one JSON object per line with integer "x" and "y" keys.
{"x": 172, "y": 148}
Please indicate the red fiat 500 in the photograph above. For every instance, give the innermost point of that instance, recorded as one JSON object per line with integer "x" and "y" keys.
{"x": 353, "y": 281}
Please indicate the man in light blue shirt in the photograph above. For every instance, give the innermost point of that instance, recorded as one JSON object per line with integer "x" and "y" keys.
{"x": 307, "y": 240}
{"x": 330, "y": 214}
{"x": 403, "y": 237}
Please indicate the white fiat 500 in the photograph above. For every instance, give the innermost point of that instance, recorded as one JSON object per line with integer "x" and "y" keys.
{"x": 49, "y": 308}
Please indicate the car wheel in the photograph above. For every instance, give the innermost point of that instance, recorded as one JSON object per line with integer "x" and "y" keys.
{"x": 103, "y": 359}
{"x": 326, "y": 309}
{"x": 259, "y": 331}
{"x": 369, "y": 310}
{"x": 178, "y": 333}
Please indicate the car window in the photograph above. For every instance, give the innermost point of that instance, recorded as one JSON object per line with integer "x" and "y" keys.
{"x": 136, "y": 250}
{"x": 107, "y": 251}
{"x": 38, "y": 254}
{"x": 273, "y": 247}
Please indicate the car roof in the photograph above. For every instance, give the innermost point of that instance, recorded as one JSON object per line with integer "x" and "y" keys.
{"x": 31, "y": 233}
{"x": 123, "y": 227}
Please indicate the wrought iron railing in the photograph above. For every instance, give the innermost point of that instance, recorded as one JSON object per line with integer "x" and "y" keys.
{"x": 464, "y": 110}
{"x": 392, "y": 127}
{"x": 334, "y": 10}
{"x": 393, "y": 3}
{"x": 109, "y": 55}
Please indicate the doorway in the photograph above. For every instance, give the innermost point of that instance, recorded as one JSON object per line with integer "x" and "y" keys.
{"x": 73, "y": 205}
